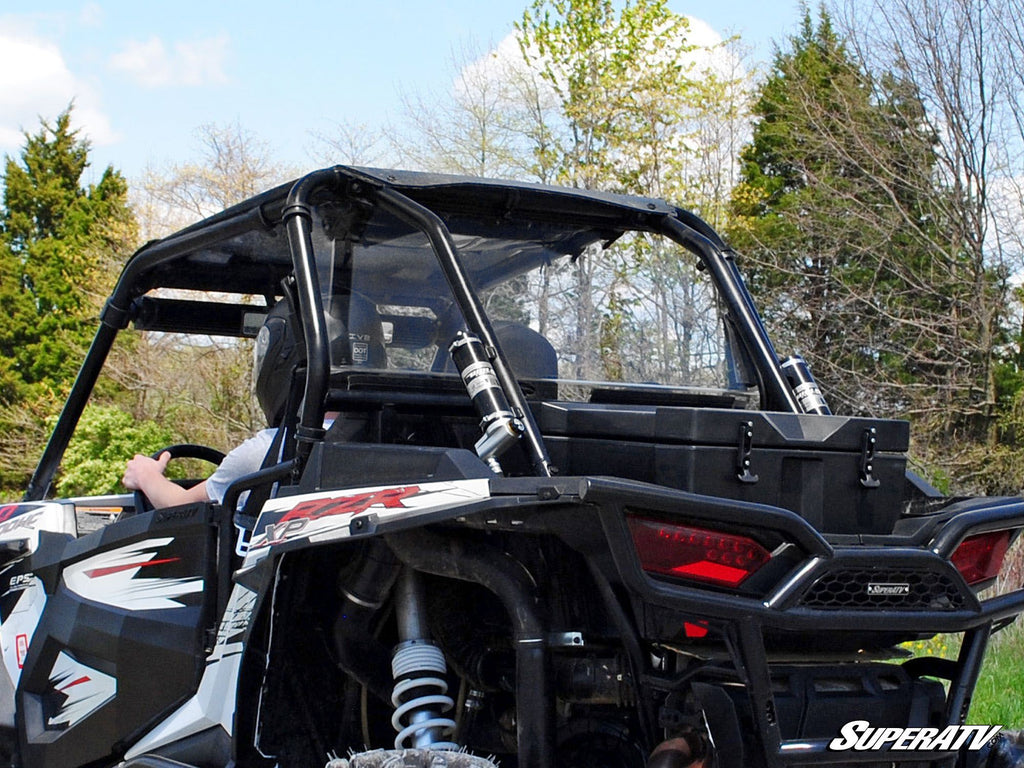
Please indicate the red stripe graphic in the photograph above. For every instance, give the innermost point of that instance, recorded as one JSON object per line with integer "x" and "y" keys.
{"x": 79, "y": 681}
{"x": 96, "y": 573}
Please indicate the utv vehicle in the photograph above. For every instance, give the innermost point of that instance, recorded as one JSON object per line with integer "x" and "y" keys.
{"x": 569, "y": 505}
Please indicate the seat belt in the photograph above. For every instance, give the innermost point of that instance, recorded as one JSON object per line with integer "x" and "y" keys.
{"x": 246, "y": 523}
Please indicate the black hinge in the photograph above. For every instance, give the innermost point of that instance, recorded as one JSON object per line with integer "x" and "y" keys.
{"x": 743, "y": 453}
{"x": 867, "y": 459}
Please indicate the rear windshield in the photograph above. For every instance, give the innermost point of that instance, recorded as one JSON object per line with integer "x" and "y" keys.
{"x": 577, "y": 305}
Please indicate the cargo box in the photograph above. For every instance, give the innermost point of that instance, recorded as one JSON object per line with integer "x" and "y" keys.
{"x": 841, "y": 474}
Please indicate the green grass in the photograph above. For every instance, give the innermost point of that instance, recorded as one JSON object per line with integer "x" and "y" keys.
{"x": 999, "y": 696}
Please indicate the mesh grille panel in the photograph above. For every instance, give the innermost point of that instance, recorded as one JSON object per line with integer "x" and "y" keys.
{"x": 879, "y": 590}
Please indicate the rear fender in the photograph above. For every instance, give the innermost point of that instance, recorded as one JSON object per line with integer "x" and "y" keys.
{"x": 327, "y": 517}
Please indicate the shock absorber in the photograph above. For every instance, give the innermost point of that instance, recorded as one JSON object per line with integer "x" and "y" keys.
{"x": 500, "y": 426}
{"x": 806, "y": 389}
{"x": 420, "y": 695}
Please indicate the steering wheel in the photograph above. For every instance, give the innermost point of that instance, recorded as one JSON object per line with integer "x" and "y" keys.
{"x": 180, "y": 451}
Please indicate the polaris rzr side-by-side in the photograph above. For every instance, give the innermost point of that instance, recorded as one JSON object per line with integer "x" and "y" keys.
{"x": 541, "y": 493}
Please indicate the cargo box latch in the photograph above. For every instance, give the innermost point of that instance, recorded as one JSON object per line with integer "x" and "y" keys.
{"x": 867, "y": 459}
{"x": 743, "y": 453}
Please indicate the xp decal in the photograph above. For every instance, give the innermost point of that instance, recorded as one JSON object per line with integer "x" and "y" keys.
{"x": 115, "y": 578}
{"x": 325, "y": 516}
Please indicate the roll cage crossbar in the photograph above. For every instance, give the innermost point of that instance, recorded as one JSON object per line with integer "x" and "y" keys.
{"x": 294, "y": 210}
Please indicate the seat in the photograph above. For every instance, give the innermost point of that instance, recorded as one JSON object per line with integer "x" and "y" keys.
{"x": 529, "y": 353}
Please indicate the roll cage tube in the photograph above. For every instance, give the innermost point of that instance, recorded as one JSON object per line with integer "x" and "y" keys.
{"x": 696, "y": 236}
{"x": 444, "y": 248}
{"x": 297, "y": 216}
{"x": 115, "y": 316}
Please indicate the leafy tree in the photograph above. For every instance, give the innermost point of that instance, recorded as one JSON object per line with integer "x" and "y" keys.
{"x": 845, "y": 230}
{"x": 105, "y": 439}
{"x": 964, "y": 59}
{"x": 60, "y": 243}
{"x": 51, "y": 231}
{"x": 639, "y": 109}
{"x": 621, "y": 79}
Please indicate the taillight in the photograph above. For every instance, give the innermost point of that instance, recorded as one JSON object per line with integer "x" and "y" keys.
{"x": 713, "y": 557}
{"x": 979, "y": 558}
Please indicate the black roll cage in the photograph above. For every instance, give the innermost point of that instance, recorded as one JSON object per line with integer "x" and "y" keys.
{"x": 408, "y": 196}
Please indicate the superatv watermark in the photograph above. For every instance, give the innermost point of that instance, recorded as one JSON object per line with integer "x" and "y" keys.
{"x": 889, "y": 590}
{"x": 859, "y": 735}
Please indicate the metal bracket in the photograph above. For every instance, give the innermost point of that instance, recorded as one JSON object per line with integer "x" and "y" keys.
{"x": 867, "y": 459}
{"x": 565, "y": 640}
{"x": 743, "y": 453}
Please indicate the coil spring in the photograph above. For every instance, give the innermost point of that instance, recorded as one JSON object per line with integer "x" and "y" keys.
{"x": 414, "y": 666}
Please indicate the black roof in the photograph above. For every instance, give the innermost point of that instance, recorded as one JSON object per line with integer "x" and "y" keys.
{"x": 244, "y": 250}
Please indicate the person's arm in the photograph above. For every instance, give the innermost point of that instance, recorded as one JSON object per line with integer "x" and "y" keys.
{"x": 147, "y": 475}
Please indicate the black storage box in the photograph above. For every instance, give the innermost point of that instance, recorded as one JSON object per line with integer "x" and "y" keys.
{"x": 841, "y": 474}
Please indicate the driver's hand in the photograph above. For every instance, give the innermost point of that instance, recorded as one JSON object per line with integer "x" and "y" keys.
{"x": 140, "y": 470}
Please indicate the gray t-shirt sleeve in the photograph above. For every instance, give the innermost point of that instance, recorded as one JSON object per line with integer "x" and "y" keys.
{"x": 243, "y": 460}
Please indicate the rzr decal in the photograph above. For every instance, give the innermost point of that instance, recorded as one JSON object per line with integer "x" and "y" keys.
{"x": 296, "y": 519}
{"x": 76, "y": 691}
{"x": 314, "y": 509}
{"x": 23, "y": 522}
{"x": 330, "y": 515}
{"x": 116, "y": 578}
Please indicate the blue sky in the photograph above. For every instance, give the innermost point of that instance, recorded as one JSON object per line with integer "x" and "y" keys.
{"x": 144, "y": 75}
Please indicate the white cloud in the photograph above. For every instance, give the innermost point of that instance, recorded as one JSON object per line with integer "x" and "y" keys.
{"x": 505, "y": 61}
{"x": 502, "y": 66}
{"x": 35, "y": 82}
{"x": 91, "y": 15}
{"x": 702, "y": 33}
{"x": 153, "y": 65}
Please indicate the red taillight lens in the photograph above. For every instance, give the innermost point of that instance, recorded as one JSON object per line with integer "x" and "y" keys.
{"x": 979, "y": 558}
{"x": 695, "y": 553}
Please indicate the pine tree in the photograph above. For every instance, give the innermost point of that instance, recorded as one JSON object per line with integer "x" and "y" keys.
{"x": 53, "y": 237}
{"x": 840, "y": 221}
{"x": 60, "y": 246}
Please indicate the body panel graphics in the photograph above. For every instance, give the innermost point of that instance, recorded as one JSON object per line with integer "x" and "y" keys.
{"x": 121, "y": 640}
{"x": 116, "y": 578}
{"x": 18, "y": 627}
{"x": 332, "y": 515}
{"x": 23, "y": 522}
{"x": 76, "y": 692}
{"x": 214, "y": 702}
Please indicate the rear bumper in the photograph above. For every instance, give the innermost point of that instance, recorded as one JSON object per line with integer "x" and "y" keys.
{"x": 944, "y": 602}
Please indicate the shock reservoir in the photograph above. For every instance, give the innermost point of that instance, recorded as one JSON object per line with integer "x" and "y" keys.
{"x": 499, "y": 424}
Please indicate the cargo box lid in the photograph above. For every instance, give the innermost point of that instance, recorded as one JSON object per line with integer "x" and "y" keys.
{"x": 719, "y": 426}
